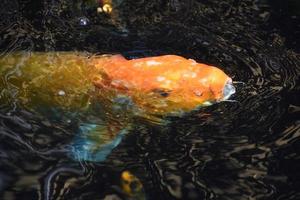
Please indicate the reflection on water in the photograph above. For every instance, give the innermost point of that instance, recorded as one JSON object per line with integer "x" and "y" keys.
{"x": 243, "y": 150}
{"x": 105, "y": 6}
{"x": 132, "y": 186}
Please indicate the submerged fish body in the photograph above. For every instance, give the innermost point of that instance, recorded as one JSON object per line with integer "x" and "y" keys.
{"x": 45, "y": 80}
{"x": 108, "y": 87}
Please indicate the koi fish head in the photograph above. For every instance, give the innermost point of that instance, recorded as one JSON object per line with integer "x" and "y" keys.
{"x": 215, "y": 83}
{"x": 189, "y": 87}
{"x": 164, "y": 84}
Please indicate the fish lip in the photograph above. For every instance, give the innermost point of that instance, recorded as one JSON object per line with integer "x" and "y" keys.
{"x": 228, "y": 90}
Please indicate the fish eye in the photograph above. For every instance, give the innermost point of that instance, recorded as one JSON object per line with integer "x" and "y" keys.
{"x": 162, "y": 92}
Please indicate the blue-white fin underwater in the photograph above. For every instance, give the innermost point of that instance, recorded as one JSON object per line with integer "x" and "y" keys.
{"x": 93, "y": 143}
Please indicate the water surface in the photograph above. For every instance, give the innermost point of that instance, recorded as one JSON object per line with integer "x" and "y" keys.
{"x": 244, "y": 150}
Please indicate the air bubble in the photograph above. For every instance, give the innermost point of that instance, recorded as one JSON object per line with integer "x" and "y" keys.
{"x": 83, "y": 21}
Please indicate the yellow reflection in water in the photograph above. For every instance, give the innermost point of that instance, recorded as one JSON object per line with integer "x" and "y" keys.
{"x": 106, "y": 7}
{"x": 131, "y": 185}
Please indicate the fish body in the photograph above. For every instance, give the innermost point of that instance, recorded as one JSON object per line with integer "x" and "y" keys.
{"x": 108, "y": 90}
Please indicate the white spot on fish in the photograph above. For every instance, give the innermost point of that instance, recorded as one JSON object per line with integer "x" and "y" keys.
{"x": 160, "y": 78}
{"x": 120, "y": 83}
{"x": 167, "y": 83}
{"x": 190, "y": 74}
{"x": 203, "y": 81}
{"x": 61, "y": 93}
{"x": 207, "y": 103}
{"x": 192, "y": 60}
{"x": 152, "y": 63}
{"x": 116, "y": 82}
{"x": 138, "y": 64}
{"x": 198, "y": 93}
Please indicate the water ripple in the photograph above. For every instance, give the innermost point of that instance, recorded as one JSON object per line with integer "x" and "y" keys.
{"x": 233, "y": 150}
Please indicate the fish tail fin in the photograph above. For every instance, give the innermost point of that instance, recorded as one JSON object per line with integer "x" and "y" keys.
{"x": 94, "y": 142}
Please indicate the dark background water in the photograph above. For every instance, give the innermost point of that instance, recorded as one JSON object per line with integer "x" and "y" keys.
{"x": 245, "y": 150}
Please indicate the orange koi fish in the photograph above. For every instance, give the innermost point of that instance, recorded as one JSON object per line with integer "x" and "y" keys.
{"x": 109, "y": 91}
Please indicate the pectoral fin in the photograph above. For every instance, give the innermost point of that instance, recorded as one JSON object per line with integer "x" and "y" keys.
{"x": 94, "y": 142}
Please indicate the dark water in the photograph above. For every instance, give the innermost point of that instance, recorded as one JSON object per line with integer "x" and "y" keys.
{"x": 245, "y": 150}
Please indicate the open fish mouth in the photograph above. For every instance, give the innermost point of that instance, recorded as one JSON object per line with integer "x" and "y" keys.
{"x": 228, "y": 90}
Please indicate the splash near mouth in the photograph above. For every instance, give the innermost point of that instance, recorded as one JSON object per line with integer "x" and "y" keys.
{"x": 228, "y": 90}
